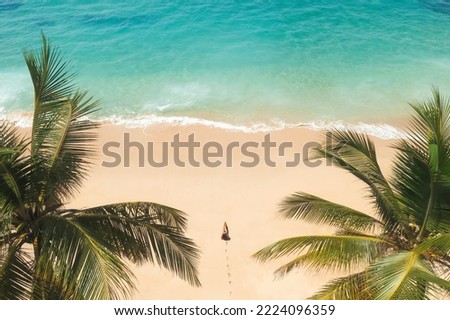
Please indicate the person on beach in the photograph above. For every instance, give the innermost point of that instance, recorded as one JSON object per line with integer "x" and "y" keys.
{"x": 225, "y": 233}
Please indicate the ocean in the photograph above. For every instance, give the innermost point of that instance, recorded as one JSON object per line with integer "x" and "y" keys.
{"x": 240, "y": 65}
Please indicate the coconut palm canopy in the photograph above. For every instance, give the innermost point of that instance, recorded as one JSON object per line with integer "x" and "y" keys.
{"x": 48, "y": 251}
{"x": 401, "y": 250}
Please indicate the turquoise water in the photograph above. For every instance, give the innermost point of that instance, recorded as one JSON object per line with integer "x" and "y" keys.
{"x": 239, "y": 62}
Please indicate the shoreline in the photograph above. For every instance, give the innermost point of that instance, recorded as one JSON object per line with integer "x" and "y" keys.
{"x": 388, "y": 129}
{"x": 246, "y": 198}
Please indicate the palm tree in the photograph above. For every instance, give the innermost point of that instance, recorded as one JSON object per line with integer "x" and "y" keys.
{"x": 402, "y": 249}
{"x": 48, "y": 251}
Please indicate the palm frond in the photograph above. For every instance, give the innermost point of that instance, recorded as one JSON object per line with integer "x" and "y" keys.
{"x": 13, "y": 186}
{"x": 351, "y": 287}
{"x": 298, "y": 262}
{"x": 52, "y": 84}
{"x": 15, "y": 172}
{"x": 49, "y": 74}
{"x": 431, "y": 123}
{"x": 79, "y": 263}
{"x": 142, "y": 232}
{"x": 422, "y": 167}
{"x": 439, "y": 243}
{"x": 336, "y": 253}
{"x": 10, "y": 140}
{"x": 69, "y": 149}
{"x": 317, "y": 210}
{"x": 16, "y": 273}
{"x": 61, "y": 140}
{"x": 149, "y": 211}
{"x": 426, "y": 199}
{"x": 355, "y": 153}
{"x": 412, "y": 182}
{"x": 399, "y": 275}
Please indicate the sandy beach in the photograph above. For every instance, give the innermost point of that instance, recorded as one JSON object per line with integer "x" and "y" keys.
{"x": 216, "y": 109}
{"x": 246, "y": 198}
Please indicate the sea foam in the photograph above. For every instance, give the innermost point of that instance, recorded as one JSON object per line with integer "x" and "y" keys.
{"x": 379, "y": 130}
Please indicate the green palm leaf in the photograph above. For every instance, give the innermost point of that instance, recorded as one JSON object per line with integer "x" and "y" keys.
{"x": 144, "y": 232}
{"x": 14, "y": 174}
{"x": 317, "y": 210}
{"x": 79, "y": 262}
{"x": 70, "y": 149}
{"x": 437, "y": 247}
{"x": 336, "y": 253}
{"x": 355, "y": 153}
{"x": 351, "y": 287}
{"x": 422, "y": 169}
{"x": 430, "y": 124}
{"x": 51, "y": 80}
{"x": 399, "y": 275}
{"x": 11, "y": 143}
{"x": 13, "y": 183}
{"x": 61, "y": 144}
{"x": 52, "y": 86}
{"x": 16, "y": 273}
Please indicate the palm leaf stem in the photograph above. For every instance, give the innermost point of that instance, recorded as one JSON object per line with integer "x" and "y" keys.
{"x": 428, "y": 212}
